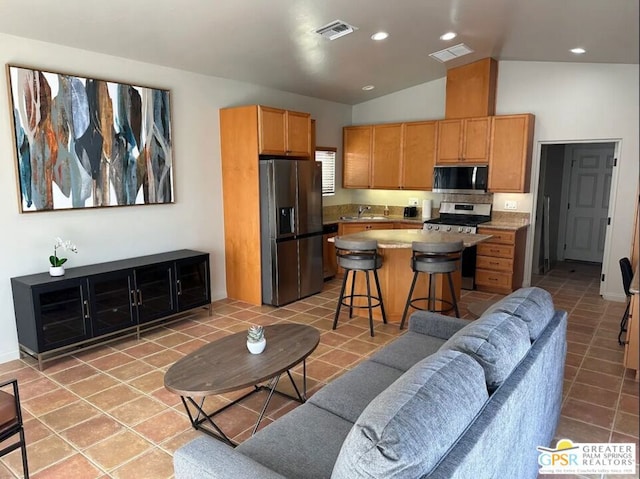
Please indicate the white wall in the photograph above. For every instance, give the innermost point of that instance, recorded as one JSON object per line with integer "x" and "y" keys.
{"x": 194, "y": 221}
{"x": 572, "y": 102}
{"x": 576, "y": 102}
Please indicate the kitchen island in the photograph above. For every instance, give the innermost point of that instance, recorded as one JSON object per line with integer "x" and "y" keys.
{"x": 396, "y": 274}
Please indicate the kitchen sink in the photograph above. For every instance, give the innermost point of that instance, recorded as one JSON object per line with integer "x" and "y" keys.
{"x": 364, "y": 217}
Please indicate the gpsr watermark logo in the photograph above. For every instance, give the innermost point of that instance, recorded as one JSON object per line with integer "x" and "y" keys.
{"x": 588, "y": 458}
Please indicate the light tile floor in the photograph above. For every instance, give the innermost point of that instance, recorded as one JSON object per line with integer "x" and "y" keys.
{"x": 105, "y": 413}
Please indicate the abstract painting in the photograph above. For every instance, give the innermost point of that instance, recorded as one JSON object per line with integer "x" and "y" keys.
{"x": 82, "y": 142}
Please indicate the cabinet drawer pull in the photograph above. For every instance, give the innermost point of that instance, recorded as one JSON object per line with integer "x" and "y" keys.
{"x": 494, "y": 263}
{"x": 134, "y": 300}
{"x": 139, "y": 297}
{"x": 494, "y": 250}
{"x": 492, "y": 279}
{"x": 179, "y": 287}
{"x": 86, "y": 309}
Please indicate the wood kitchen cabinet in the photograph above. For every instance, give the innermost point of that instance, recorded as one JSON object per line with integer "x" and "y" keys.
{"x": 511, "y": 149}
{"x": 356, "y": 164}
{"x": 390, "y": 156}
{"x": 418, "y": 155}
{"x": 243, "y": 137}
{"x": 500, "y": 260}
{"x": 386, "y": 156}
{"x": 463, "y": 141}
{"x": 284, "y": 132}
{"x": 359, "y": 227}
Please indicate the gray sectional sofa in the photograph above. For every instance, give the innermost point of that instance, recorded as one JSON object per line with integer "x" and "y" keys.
{"x": 449, "y": 399}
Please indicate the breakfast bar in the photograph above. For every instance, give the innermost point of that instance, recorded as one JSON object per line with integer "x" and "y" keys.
{"x": 395, "y": 274}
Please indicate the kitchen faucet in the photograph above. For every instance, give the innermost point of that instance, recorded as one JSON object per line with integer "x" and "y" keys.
{"x": 362, "y": 209}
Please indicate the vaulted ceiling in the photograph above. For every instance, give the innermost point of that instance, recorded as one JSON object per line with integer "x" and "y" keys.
{"x": 273, "y": 43}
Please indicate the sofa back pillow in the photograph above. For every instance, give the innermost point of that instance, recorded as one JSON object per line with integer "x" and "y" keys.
{"x": 532, "y": 305}
{"x": 408, "y": 427}
{"x": 496, "y": 341}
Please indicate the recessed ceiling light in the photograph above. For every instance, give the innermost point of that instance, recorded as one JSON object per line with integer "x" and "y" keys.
{"x": 578, "y": 51}
{"x": 379, "y": 36}
{"x": 448, "y": 36}
{"x": 368, "y": 87}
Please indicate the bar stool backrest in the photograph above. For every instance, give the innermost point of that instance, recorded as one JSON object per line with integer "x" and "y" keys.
{"x": 437, "y": 248}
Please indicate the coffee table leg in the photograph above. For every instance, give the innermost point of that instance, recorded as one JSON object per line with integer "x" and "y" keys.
{"x": 201, "y": 417}
{"x": 273, "y": 383}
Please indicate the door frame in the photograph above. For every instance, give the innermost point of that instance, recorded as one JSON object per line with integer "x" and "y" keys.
{"x": 535, "y": 186}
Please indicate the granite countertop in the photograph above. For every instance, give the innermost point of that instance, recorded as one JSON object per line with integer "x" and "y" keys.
{"x": 327, "y": 220}
{"x": 512, "y": 225}
{"x": 402, "y": 239}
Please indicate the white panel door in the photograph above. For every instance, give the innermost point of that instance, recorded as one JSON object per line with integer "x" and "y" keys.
{"x": 590, "y": 183}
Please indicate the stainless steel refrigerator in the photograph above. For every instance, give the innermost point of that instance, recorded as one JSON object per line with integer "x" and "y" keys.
{"x": 291, "y": 229}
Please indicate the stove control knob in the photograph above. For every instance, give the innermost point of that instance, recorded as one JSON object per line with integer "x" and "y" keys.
{"x": 436, "y": 227}
{"x": 427, "y": 227}
{"x": 467, "y": 230}
{"x": 460, "y": 229}
{"x": 448, "y": 228}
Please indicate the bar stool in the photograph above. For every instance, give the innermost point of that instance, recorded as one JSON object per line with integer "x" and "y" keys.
{"x": 354, "y": 256}
{"x": 434, "y": 258}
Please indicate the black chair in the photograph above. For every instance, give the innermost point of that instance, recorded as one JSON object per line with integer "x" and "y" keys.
{"x": 627, "y": 276}
{"x": 434, "y": 258}
{"x": 11, "y": 422}
{"x": 354, "y": 256}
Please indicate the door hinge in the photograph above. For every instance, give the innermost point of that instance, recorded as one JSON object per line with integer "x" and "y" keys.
{"x": 608, "y": 221}
{"x": 602, "y": 278}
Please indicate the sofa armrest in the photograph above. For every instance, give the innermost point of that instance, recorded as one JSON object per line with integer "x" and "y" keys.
{"x": 436, "y": 325}
{"x": 208, "y": 458}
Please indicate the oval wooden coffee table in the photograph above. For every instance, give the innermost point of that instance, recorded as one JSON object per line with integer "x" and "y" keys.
{"x": 226, "y": 365}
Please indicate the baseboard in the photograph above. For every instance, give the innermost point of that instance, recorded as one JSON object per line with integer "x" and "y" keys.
{"x": 9, "y": 356}
{"x": 619, "y": 298}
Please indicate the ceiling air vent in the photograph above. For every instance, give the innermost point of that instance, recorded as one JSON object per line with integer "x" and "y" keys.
{"x": 452, "y": 52}
{"x": 335, "y": 29}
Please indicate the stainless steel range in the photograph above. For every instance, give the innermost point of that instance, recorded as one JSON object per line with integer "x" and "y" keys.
{"x": 462, "y": 218}
{"x": 459, "y": 217}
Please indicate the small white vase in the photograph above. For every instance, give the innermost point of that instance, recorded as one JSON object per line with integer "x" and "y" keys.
{"x": 56, "y": 270}
{"x": 256, "y": 348}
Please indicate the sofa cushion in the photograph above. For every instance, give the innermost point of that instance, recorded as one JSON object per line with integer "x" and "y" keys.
{"x": 348, "y": 395}
{"x": 496, "y": 341}
{"x": 407, "y": 350}
{"x": 405, "y": 431}
{"x": 533, "y": 305}
{"x": 303, "y": 443}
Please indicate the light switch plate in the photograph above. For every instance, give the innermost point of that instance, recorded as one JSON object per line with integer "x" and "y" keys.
{"x": 510, "y": 205}
{"x": 413, "y": 201}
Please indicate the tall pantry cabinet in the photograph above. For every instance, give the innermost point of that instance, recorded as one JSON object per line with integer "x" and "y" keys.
{"x": 246, "y": 132}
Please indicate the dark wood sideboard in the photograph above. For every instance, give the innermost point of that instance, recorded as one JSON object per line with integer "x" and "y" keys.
{"x": 94, "y": 304}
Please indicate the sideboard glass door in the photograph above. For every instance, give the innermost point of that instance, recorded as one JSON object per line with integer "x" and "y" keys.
{"x": 112, "y": 300}
{"x": 62, "y": 312}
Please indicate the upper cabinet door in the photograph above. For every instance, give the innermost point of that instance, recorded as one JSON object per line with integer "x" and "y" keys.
{"x": 449, "y": 141}
{"x": 475, "y": 143}
{"x": 419, "y": 152}
{"x": 387, "y": 151}
{"x": 510, "y": 159}
{"x": 284, "y": 132}
{"x": 298, "y": 134}
{"x": 272, "y": 129}
{"x": 357, "y": 156}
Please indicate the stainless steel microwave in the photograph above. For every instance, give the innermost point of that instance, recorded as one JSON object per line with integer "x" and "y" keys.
{"x": 460, "y": 179}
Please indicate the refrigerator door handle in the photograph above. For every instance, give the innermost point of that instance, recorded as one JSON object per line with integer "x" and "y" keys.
{"x": 293, "y": 221}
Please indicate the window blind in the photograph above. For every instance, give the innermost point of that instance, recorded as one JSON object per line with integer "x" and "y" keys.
{"x": 327, "y": 156}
